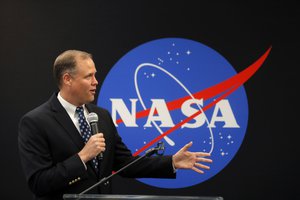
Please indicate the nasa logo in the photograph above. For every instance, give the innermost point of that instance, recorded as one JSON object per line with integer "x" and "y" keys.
{"x": 179, "y": 90}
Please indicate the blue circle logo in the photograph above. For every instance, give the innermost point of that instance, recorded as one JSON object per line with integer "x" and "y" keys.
{"x": 177, "y": 90}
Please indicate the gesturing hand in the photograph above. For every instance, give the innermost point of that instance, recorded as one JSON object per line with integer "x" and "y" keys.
{"x": 185, "y": 159}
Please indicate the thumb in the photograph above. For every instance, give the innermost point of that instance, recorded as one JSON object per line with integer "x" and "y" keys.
{"x": 187, "y": 146}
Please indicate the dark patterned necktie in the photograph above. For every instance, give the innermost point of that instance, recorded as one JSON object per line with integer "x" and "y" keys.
{"x": 85, "y": 131}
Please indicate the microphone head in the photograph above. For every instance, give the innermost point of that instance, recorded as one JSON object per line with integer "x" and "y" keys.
{"x": 92, "y": 117}
{"x": 160, "y": 148}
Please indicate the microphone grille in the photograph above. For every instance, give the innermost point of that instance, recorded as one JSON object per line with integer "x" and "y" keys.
{"x": 92, "y": 117}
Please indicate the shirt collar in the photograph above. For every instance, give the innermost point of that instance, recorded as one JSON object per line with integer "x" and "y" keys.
{"x": 70, "y": 108}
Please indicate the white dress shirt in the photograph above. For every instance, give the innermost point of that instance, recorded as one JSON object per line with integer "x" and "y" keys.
{"x": 71, "y": 110}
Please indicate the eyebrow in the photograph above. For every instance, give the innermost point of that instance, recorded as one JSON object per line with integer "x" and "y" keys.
{"x": 90, "y": 74}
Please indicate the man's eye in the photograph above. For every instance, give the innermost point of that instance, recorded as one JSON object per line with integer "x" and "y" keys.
{"x": 88, "y": 76}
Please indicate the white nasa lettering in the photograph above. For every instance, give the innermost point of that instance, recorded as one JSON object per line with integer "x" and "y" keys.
{"x": 227, "y": 115}
{"x": 188, "y": 110}
{"x": 159, "y": 112}
{"x": 118, "y": 106}
{"x": 163, "y": 114}
{"x": 223, "y": 106}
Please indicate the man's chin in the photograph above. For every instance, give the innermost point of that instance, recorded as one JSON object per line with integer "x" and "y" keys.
{"x": 91, "y": 99}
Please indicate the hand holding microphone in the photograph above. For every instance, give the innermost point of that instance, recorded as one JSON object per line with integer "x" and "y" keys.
{"x": 92, "y": 118}
{"x": 96, "y": 144}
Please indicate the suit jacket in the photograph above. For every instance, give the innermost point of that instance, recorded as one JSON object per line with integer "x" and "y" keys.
{"x": 49, "y": 144}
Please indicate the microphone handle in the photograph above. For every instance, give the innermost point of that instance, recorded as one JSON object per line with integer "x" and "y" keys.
{"x": 94, "y": 128}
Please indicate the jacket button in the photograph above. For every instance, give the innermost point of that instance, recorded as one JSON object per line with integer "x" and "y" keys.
{"x": 106, "y": 183}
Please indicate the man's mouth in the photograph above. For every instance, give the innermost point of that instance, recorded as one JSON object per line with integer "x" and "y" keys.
{"x": 93, "y": 91}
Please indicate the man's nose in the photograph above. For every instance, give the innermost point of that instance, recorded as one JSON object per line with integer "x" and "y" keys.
{"x": 95, "y": 82}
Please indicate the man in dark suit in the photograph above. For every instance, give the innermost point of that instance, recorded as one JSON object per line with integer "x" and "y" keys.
{"x": 57, "y": 160}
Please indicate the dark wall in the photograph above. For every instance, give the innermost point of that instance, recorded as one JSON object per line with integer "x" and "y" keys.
{"x": 33, "y": 33}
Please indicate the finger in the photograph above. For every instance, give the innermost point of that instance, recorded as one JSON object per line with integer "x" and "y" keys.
{"x": 100, "y": 135}
{"x": 187, "y": 146}
{"x": 102, "y": 149}
{"x": 202, "y": 154}
{"x": 102, "y": 140}
{"x": 197, "y": 170}
{"x": 204, "y": 160}
{"x": 202, "y": 166}
{"x": 99, "y": 143}
{"x": 96, "y": 137}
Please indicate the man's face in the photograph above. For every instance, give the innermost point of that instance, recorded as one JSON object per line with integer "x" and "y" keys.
{"x": 83, "y": 82}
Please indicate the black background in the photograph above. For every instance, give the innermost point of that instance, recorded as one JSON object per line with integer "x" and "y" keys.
{"x": 33, "y": 33}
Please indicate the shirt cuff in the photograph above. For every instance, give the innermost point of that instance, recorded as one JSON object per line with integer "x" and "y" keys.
{"x": 83, "y": 163}
{"x": 174, "y": 169}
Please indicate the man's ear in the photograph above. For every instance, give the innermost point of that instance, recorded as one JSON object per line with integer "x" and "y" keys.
{"x": 67, "y": 79}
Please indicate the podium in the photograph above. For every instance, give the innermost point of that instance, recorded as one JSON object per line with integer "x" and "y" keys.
{"x": 132, "y": 197}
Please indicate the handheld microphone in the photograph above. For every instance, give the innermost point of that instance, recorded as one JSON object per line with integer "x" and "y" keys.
{"x": 92, "y": 118}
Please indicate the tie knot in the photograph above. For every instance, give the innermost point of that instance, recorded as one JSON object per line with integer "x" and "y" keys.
{"x": 79, "y": 109}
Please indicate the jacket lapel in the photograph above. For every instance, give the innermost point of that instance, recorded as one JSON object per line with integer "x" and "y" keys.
{"x": 62, "y": 117}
